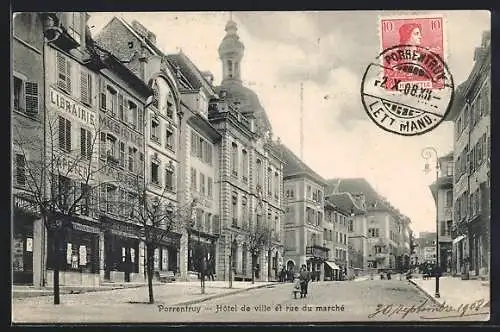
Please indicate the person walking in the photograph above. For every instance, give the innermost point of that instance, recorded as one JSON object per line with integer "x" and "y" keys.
{"x": 304, "y": 278}
{"x": 283, "y": 274}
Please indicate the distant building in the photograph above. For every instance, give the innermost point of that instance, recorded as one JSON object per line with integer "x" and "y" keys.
{"x": 426, "y": 247}
{"x": 442, "y": 191}
{"x": 387, "y": 229}
{"x": 305, "y": 241}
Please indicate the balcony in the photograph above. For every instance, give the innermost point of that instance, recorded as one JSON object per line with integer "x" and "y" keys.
{"x": 317, "y": 251}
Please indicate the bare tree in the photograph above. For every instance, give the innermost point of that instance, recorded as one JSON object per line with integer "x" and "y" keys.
{"x": 158, "y": 218}
{"x": 258, "y": 239}
{"x": 56, "y": 179}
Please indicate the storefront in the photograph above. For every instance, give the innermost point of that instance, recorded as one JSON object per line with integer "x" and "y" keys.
{"x": 201, "y": 251}
{"x": 78, "y": 255}
{"x": 22, "y": 248}
{"x": 166, "y": 256}
{"x": 331, "y": 271}
{"x": 121, "y": 251}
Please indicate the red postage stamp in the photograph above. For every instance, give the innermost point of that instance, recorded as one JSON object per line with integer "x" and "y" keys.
{"x": 411, "y": 32}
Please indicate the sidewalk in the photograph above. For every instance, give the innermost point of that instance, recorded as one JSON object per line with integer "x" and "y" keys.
{"x": 454, "y": 291}
{"x": 175, "y": 293}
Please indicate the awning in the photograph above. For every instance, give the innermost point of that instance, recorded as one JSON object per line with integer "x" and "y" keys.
{"x": 333, "y": 265}
{"x": 458, "y": 239}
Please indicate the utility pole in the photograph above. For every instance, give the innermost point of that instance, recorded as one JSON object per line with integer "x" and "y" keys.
{"x": 301, "y": 120}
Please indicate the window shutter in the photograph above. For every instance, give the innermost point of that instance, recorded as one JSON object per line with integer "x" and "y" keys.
{"x": 68, "y": 76}
{"x": 61, "y": 71}
{"x": 20, "y": 170}
{"x": 62, "y": 128}
{"x": 68, "y": 135}
{"x": 102, "y": 94}
{"x": 89, "y": 145}
{"x": 31, "y": 95}
{"x": 120, "y": 107}
{"x": 84, "y": 87}
{"x": 83, "y": 142}
{"x": 102, "y": 147}
{"x": 102, "y": 198}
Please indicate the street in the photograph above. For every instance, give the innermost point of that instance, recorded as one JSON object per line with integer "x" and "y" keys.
{"x": 369, "y": 300}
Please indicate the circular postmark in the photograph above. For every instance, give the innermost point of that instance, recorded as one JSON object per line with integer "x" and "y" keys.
{"x": 408, "y": 90}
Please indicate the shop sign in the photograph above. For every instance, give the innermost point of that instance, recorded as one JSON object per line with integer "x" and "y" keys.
{"x": 123, "y": 132}
{"x": 69, "y": 106}
{"x": 85, "y": 228}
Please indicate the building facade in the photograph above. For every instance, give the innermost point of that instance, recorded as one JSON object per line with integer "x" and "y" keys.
{"x": 470, "y": 113}
{"x": 304, "y": 222}
{"x": 386, "y": 243}
{"x": 442, "y": 191}
{"x": 27, "y": 116}
{"x": 426, "y": 248}
{"x": 250, "y": 173}
{"x": 136, "y": 47}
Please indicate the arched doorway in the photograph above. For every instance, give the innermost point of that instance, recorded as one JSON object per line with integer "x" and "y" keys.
{"x": 290, "y": 265}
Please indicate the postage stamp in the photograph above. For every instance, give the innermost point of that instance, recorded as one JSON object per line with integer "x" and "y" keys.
{"x": 426, "y": 32}
{"x": 398, "y": 103}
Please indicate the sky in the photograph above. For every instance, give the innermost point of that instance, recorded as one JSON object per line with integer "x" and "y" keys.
{"x": 328, "y": 51}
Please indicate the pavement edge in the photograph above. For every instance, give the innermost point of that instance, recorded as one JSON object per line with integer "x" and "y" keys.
{"x": 216, "y": 296}
{"x": 433, "y": 299}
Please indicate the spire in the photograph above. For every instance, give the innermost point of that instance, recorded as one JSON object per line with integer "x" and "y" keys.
{"x": 231, "y": 52}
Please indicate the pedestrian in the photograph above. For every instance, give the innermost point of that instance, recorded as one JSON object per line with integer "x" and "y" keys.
{"x": 304, "y": 278}
{"x": 211, "y": 269}
{"x": 283, "y": 275}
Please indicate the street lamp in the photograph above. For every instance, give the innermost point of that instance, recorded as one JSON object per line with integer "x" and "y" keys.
{"x": 427, "y": 154}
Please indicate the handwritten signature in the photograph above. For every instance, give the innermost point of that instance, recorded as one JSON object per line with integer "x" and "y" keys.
{"x": 449, "y": 311}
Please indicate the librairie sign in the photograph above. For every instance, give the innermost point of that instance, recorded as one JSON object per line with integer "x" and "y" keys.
{"x": 68, "y": 105}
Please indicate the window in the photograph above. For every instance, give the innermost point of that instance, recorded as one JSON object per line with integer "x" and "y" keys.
{"x": 131, "y": 159}
{"x": 64, "y": 134}
{"x": 201, "y": 148}
{"x": 244, "y": 212}
{"x": 169, "y": 179}
{"x": 234, "y": 159}
{"x": 209, "y": 187}
{"x": 85, "y": 200}
{"x": 277, "y": 227}
{"x": 85, "y": 87}
{"x": 20, "y": 170}
{"x": 345, "y": 238}
{"x": 373, "y": 232}
{"x": 269, "y": 181}
{"x": 75, "y": 26}
{"x": 244, "y": 165}
{"x": 25, "y": 96}
{"x": 351, "y": 225}
{"x": 449, "y": 198}
{"x": 193, "y": 179}
{"x": 259, "y": 172}
{"x": 122, "y": 154}
{"x": 156, "y": 96}
{"x": 155, "y": 128}
{"x": 154, "y": 173}
{"x": 234, "y": 211}
{"x": 64, "y": 192}
{"x": 121, "y": 108}
{"x": 202, "y": 183}
{"x": 111, "y": 199}
{"x": 132, "y": 114}
{"x": 209, "y": 154}
{"x": 110, "y": 147}
{"x": 442, "y": 228}
{"x": 276, "y": 185}
{"x": 309, "y": 192}
{"x": 449, "y": 168}
{"x": 63, "y": 73}
{"x": 229, "y": 68}
{"x": 111, "y": 100}
{"x": 86, "y": 143}
{"x": 169, "y": 139}
{"x": 170, "y": 105}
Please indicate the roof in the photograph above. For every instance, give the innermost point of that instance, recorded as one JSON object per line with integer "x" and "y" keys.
{"x": 345, "y": 202}
{"x": 190, "y": 71}
{"x": 294, "y": 166}
{"x": 353, "y": 186}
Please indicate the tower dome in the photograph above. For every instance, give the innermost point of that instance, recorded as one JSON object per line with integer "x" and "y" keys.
{"x": 231, "y": 52}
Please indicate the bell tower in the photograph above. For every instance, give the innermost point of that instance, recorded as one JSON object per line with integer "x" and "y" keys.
{"x": 231, "y": 52}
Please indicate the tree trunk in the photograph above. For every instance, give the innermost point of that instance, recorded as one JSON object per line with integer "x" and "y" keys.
{"x": 150, "y": 267}
{"x": 57, "y": 261}
{"x": 253, "y": 268}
